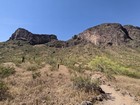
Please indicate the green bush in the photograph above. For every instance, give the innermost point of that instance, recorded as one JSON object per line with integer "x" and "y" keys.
{"x": 6, "y": 71}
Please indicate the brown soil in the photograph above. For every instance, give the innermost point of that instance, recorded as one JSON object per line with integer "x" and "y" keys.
{"x": 117, "y": 98}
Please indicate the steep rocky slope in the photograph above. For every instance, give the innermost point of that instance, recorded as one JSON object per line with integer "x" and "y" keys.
{"x": 22, "y": 34}
{"x": 106, "y": 34}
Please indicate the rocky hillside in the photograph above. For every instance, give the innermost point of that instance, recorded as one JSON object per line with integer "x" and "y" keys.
{"x": 73, "y": 72}
{"x": 22, "y": 34}
{"x": 134, "y": 33}
{"x": 112, "y": 34}
{"x": 107, "y": 34}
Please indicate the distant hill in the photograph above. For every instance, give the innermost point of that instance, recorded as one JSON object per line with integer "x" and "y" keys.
{"x": 107, "y": 34}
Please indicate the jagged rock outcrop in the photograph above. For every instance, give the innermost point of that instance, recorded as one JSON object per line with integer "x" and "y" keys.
{"x": 106, "y": 34}
{"x": 22, "y": 34}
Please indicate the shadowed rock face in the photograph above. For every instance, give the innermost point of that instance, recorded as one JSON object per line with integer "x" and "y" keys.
{"x": 22, "y": 34}
{"x": 106, "y": 34}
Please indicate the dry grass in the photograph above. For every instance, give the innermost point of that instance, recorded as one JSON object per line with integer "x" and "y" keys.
{"x": 35, "y": 83}
{"x": 54, "y": 87}
{"x": 51, "y": 87}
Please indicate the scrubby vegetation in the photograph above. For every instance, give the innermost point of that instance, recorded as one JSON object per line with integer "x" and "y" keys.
{"x": 85, "y": 84}
{"x": 106, "y": 65}
{"x": 120, "y": 60}
{"x": 29, "y": 61}
{"x": 6, "y": 71}
{"x": 32, "y": 67}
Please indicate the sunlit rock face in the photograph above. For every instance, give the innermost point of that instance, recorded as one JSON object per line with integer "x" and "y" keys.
{"x": 106, "y": 34}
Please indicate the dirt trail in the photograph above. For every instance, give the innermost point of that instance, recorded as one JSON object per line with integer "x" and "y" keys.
{"x": 117, "y": 98}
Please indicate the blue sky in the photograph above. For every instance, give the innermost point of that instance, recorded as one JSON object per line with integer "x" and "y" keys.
{"x": 64, "y": 17}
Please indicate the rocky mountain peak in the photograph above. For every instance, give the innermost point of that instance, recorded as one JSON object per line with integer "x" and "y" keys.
{"x": 25, "y": 35}
{"x": 21, "y": 34}
{"x": 106, "y": 34}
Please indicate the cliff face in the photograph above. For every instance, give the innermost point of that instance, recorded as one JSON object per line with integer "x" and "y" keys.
{"x": 106, "y": 34}
{"x": 22, "y": 34}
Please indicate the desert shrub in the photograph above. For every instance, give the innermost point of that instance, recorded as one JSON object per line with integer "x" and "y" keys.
{"x": 3, "y": 90}
{"x": 109, "y": 66}
{"x": 6, "y": 71}
{"x": 36, "y": 74}
{"x": 84, "y": 83}
{"x": 78, "y": 69}
{"x": 32, "y": 67}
